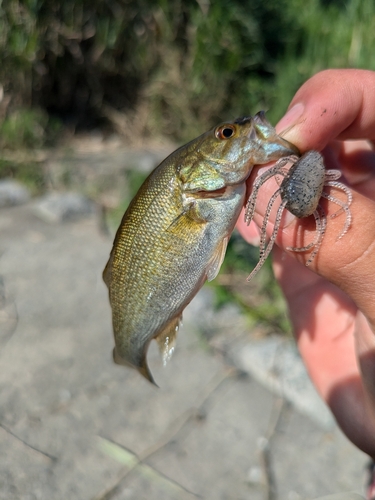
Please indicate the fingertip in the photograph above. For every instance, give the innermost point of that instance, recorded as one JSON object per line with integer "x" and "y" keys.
{"x": 331, "y": 104}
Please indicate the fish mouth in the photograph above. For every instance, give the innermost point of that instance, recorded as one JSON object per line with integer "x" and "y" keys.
{"x": 244, "y": 119}
{"x": 277, "y": 146}
{"x": 216, "y": 193}
{"x": 273, "y": 142}
{"x": 259, "y": 118}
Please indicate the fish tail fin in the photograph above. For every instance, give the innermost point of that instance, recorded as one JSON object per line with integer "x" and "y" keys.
{"x": 118, "y": 359}
{"x": 143, "y": 369}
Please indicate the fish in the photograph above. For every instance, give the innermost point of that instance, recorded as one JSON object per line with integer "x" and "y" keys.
{"x": 174, "y": 234}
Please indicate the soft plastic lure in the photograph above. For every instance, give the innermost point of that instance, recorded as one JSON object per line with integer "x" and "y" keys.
{"x": 300, "y": 191}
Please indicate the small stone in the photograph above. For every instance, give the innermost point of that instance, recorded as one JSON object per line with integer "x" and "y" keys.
{"x": 255, "y": 475}
{"x": 293, "y": 495}
{"x": 12, "y": 193}
{"x": 61, "y": 207}
{"x": 64, "y": 395}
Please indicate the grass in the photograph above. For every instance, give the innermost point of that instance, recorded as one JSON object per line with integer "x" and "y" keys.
{"x": 261, "y": 300}
{"x": 30, "y": 173}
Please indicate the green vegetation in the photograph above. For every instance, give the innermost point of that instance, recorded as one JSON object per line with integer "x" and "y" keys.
{"x": 30, "y": 172}
{"x": 26, "y": 127}
{"x": 261, "y": 299}
{"x": 167, "y": 68}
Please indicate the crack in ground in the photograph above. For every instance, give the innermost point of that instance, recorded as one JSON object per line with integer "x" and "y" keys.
{"x": 44, "y": 453}
{"x": 174, "y": 429}
{"x": 265, "y": 454}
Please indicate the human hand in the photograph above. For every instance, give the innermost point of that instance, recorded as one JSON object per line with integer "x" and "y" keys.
{"x": 332, "y": 302}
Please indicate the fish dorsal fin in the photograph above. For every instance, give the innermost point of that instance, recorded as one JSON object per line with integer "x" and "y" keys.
{"x": 216, "y": 260}
{"x": 167, "y": 339}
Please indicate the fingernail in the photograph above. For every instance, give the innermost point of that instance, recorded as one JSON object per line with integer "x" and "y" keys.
{"x": 290, "y": 117}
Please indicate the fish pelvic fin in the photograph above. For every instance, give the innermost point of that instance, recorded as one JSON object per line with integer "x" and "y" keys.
{"x": 167, "y": 339}
{"x": 213, "y": 266}
{"x": 143, "y": 368}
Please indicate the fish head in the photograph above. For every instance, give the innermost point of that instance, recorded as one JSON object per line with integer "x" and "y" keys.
{"x": 226, "y": 154}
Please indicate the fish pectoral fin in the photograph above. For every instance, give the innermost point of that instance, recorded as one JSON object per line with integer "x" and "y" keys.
{"x": 216, "y": 260}
{"x": 178, "y": 225}
{"x": 182, "y": 224}
{"x": 167, "y": 339}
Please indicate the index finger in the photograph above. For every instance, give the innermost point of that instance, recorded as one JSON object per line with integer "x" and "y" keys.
{"x": 344, "y": 109}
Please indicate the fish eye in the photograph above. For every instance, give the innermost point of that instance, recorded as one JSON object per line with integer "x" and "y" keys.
{"x": 225, "y": 132}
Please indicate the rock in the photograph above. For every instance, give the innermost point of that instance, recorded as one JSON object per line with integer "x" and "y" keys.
{"x": 61, "y": 207}
{"x": 12, "y": 193}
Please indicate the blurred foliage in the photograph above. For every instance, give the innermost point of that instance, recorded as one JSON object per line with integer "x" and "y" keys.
{"x": 171, "y": 67}
{"x": 261, "y": 299}
{"x": 31, "y": 173}
{"x": 156, "y": 68}
{"x": 328, "y": 34}
{"x": 24, "y": 126}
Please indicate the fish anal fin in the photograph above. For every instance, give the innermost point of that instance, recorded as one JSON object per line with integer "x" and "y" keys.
{"x": 167, "y": 339}
{"x": 216, "y": 260}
